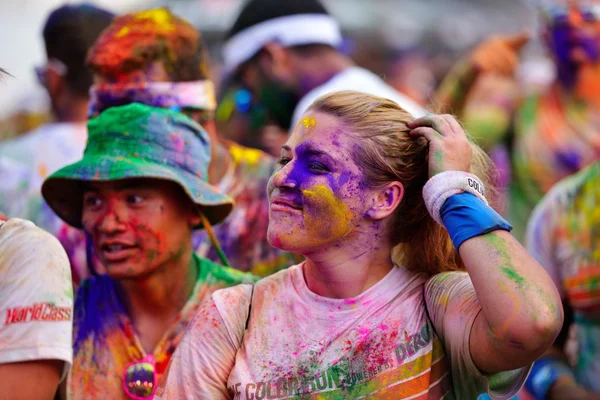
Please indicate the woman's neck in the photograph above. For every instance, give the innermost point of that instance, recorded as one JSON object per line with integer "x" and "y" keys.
{"x": 347, "y": 270}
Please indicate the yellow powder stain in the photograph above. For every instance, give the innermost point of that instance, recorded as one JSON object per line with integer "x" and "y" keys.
{"x": 159, "y": 16}
{"x": 308, "y": 123}
{"x": 327, "y": 215}
{"x": 239, "y": 154}
{"x": 43, "y": 170}
{"x": 122, "y": 32}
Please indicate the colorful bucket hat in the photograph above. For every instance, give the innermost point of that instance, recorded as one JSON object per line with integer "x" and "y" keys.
{"x": 139, "y": 141}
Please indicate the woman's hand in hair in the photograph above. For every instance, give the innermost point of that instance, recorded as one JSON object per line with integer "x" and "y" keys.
{"x": 449, "y": 148}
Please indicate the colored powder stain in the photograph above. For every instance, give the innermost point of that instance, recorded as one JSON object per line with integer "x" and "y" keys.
{"x": 178, "y": 142}
{"x": 244, "y": 154}
{"x": 308, "y": 124}
{"x": 160, "y": 17}
{"x": 326, "y": 216}
{"x": 498, "y": 244}
{"x": 124, "y": 31}
{"x": 513, "y": 275}
{"x": 134, "y": 40}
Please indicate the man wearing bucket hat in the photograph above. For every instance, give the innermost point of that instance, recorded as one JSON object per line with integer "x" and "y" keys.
{"x": 139, "y": 192}
{"x": 158, "y": 59}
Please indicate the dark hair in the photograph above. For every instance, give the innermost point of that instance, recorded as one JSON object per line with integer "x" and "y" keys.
{"x": 68, "y": 34}
{"x": 135, "y": 40}
{"x": 255, "y": 12}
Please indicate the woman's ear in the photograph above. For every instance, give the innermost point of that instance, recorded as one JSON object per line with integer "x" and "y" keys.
{"x": 386, "y": 200}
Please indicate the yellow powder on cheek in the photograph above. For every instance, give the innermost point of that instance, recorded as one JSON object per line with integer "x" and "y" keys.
{"x": 326, "y": 215}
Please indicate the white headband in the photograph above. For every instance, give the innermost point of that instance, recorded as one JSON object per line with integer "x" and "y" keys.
{"x": 291, "y": 30}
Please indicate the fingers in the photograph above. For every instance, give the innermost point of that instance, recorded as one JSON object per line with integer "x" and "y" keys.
{"x": 435, "y": 122}
{"x": 428, "y": 133}
{"x": 516, "y": 42}
{"x": 454, "y": 125}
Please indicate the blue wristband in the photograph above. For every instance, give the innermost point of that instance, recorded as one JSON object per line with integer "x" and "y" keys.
{"x": 465, "y": 216}
{"x": 544, "y": 373}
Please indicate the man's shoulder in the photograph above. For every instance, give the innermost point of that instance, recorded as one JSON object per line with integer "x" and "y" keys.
{"x": 213, "y": 273}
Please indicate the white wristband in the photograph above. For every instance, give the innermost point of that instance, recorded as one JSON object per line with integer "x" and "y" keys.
{"x": 445, "y": 184}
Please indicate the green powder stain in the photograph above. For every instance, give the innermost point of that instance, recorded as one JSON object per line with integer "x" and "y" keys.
{"x": 514, "y": 276}
{"x": 500, "y": 246}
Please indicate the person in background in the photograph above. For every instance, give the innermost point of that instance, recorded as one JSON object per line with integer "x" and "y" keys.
{"x": 139, "y": 192}
{"x": 286, "y": 54}
{"x": 550, "y": 135}
{"x": 563, "y": 236}
{"x": 156, "y": 58}
{"x": 69, "y": 32}
{"x": 36, "y": 312}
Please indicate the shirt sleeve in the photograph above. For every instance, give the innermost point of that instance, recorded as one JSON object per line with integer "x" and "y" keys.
{"x": 200, "y": 367}
{"x": 452, "y": 305}
{"x": 36, "y": 295}
{"x": 539, "y": 238}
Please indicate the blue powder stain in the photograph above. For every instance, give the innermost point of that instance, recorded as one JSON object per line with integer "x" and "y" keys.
{"x": 570, "y": 159}
{"x": 97, "y": 309}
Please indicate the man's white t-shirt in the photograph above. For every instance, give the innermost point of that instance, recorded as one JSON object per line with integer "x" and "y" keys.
{"x": 36, "y": 295}
{"x": 403, "y": 338}
{"x": 361, "y": 80}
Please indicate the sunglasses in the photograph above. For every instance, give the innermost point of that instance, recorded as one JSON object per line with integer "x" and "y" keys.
{"x": 139, "y": 380}
{"x": 53, "y": 64}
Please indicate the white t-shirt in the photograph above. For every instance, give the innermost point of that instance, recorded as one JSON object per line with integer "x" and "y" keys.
{"x": 361, "y": 80}
{"x": 25, "y": 162}
{"x": 36, "y": 295}
{"x": 379, "y": 345}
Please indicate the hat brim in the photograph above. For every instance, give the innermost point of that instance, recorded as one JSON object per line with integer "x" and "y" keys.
{"x": 63, "y": 190}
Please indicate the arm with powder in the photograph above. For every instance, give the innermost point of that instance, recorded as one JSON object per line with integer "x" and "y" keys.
{"x": 481, "y": 91}
{"x": 521, "y": 309}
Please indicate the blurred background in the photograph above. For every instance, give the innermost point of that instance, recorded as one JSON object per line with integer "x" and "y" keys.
{"x": 412, "y": 43}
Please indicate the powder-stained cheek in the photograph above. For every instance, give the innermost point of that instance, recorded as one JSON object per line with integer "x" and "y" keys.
{"x": 325, "y": 214}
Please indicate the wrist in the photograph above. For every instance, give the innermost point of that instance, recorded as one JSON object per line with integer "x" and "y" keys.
{"x": 443, "y": 185}
{"x": 465, "y": 216}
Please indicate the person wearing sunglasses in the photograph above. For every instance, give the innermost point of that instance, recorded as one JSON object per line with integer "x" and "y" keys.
{"x": 156, "y": 58}
{"x": 549, "y": 130}
{"x": 68, "y": 33}
{"x": 139, "y": 192}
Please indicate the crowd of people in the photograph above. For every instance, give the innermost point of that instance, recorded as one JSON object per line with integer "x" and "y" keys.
{"x": 377, "y": 247}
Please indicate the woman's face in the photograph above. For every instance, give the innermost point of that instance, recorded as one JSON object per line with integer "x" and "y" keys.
{"x": 317, "y": 197}
{"x": 137, "y": 225}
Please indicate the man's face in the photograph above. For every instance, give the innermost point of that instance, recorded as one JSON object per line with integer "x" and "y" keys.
{"x": 273, "y": 85}
{"x": 137, "y": 225}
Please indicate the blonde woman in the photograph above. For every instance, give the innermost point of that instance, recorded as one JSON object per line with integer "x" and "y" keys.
{"x": 357, "y": 178}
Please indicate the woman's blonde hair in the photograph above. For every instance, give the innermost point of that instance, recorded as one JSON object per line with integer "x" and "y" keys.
{"x": 388, "y": 153}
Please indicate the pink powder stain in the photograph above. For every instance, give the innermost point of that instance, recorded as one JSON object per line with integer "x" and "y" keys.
{"x": 383, "y": 327}
{"x": 177, "y": 141}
